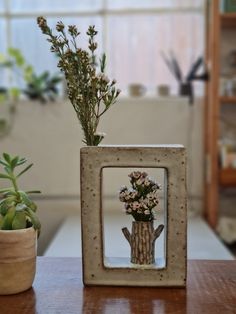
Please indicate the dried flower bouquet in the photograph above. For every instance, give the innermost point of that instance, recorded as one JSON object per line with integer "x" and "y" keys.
{"x": 90, "y": 91}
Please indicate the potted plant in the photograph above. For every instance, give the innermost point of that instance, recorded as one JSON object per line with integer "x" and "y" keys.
{"x": 140, "y": 201}
{"x": 90, "y": 91}
{"x": 19, "y": 230}
{"x": 42, "y": 87}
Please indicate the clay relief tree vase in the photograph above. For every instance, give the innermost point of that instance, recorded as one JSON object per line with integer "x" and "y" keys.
{"x": 142, "y": 241}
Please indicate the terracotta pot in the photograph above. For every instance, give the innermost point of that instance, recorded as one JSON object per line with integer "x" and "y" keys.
{"x": 18, "y": 251}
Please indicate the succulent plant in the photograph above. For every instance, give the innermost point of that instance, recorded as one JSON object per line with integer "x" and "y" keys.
{"x": 17, "y": 210}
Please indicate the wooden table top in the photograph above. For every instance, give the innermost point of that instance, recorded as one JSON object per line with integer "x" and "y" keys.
{"x": 58, "y": 288}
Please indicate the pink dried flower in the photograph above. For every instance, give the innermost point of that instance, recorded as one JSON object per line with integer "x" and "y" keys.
{"x": 135, "y": 174}
{"x": 141, "y": 199}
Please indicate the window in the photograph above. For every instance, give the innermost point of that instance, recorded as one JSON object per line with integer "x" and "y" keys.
{"x": 132, "y": 33}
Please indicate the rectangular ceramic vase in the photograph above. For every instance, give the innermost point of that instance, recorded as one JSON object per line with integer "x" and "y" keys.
{"x": 96, "y": 271}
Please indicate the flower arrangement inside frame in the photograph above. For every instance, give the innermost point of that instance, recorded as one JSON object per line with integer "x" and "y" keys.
{"x": 140, "y": 201}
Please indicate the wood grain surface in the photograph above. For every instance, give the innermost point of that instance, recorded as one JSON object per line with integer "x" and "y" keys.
{"x": 58, "y": 288}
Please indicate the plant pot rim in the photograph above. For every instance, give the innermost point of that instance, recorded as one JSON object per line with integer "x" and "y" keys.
{"x": 25, "y": 230}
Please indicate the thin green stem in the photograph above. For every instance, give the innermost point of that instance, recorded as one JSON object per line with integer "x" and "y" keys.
{"x": 13, "y": 179}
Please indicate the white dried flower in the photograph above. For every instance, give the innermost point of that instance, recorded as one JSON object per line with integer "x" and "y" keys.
{"x": 140, "y": 181}
{"x": 127, "y": 197}
{"x": 147, "y": 182}
{"x": 105, "y": 78}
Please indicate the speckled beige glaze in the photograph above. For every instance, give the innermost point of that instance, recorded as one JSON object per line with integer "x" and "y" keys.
{"x": 18, "y": 250}
{"x": 170, "y": 157}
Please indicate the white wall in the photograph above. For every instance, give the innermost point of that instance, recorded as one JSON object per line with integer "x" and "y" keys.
{"x": 50, "y": 136}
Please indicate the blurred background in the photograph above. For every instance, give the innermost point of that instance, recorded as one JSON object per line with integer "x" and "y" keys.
{"x": 165, "y": 56}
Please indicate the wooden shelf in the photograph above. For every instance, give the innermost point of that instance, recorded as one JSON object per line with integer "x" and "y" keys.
{"x": 227, "y": 177}
{"x": 217, "y": 24}
{"x": 228, "y": 100}
{"x": 228, "y": 19}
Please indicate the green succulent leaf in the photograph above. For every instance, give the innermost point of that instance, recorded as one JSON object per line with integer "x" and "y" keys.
{"x": 5, "y": 190}
{"x": 8, "y": 199}
{"x": 4, "y": 176}
{"x": 3, "y": 209}
{"x": 21, "y": 161}
{"x": 5, "y": 205}
{"x": 34, "y": 219}
{"x": 8, "y": 170}
{"x": 3, "y": 162}
{"x": 1, "y": 221}
{"x": 33, "y": 192}
{"x": 23, "y": 171}
{"x": 8, "y": 219}
{"x": 14, "y": 162}
{"x": 19, "y": 221}
{"x": 7, "y": 158}
{"x": 10, "y": 193}
{"x": 26, "y": 200}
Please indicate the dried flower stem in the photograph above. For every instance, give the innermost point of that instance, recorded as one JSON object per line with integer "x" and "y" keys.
{"x": 90, "y": 93}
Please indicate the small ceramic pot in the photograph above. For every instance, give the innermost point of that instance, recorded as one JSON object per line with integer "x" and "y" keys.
{"x": 18, "y": 251}
{"x": 137, "y": 90}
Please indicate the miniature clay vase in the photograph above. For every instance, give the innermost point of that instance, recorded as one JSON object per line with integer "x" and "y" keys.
{"x": 142, "y": 241}
{"x": 18, "y": 251}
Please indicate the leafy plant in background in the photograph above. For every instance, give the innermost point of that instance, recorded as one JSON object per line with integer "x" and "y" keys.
{"x": 15, "y": 61}
{"x": 141, "y": 198}
{"x": 90, "y": 91}
{"x": 9, "y": 96}
{"x": 17, "y": 210}
{"x": 41, "y": 87}
{"x": 8, "y": 101}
